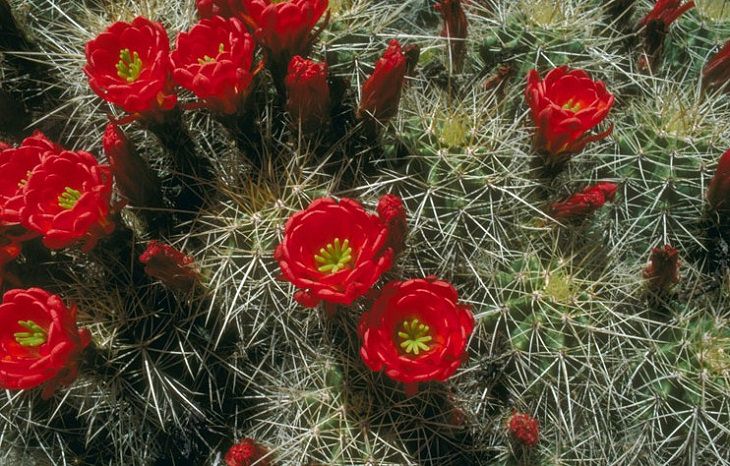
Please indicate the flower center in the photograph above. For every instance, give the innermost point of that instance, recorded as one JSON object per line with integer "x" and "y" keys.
{"x": 69, "y": 198}
{"x": 334, "y": 257}
{"x": 207, "y": 59}
{"x": 35, "y": 336}
{"x": 129, "y": 66}
{"x": 22, "y": 183}
{"x": 572, "y": 105}
{"x": 415, "y": 336}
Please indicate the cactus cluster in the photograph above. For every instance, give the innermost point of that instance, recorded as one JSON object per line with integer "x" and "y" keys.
{"x": 582, "y": 352}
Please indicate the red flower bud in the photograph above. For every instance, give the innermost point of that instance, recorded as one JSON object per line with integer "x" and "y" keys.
{"x": 247, "y": 452}
{"x": 565, "y": 106}
{"x": 128, "y": 65}
{"x": 213, "y": 60}
{"x": 665, "y": 12}
{"x": 308, "y": 94}
{"x": 16, "y": 166}
{"x": 416, "y": 331}
{"x": 173, "y": 268}
{"x": 455, "y": 29}
{"x": 40, "y": 343}
{"x": 381, "y": 92}
{"x": 65, "y": 197}
{"x": 10, "y": 245}
{"x": 524, "y": 428}
{"x": 335, "y": 251}
{"x": 716, "y": 72}
{"x": 393, "y": 214}
{"x": 584, "y": 203}
{"x": 223, "y": 8}
{"x": 284, "y": 28}
{"x": 718, "y": 192}
{"x": 662, "y": 272}
{"x": 135, "y": 179}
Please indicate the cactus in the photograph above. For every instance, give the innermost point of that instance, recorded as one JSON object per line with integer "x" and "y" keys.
{"x": 567, "y": 331}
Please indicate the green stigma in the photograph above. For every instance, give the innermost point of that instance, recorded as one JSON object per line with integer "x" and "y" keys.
{"x": 415, "y": 336}
{"x": 207, "y": 59}
{"x": 129, "y": 66}
{"x": 572, "y": 105}
{"x": 334, "y": 257}
{"x": 69, "y": 198}
{"x": 35, "y": 336}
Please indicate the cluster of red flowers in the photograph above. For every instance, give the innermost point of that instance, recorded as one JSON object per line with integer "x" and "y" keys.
{"x": 335, "y": 251}
{"x": 130, "y": 64}
{"x": 40, "y": 343}
{"x": 63, "y": 196}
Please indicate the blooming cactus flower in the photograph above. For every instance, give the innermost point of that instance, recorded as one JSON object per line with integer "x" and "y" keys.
{"x": 524, "y": 428}
{"x": 565, "y": 106}
{"x": 333, "y": 251}
{"x": 718, "y": 192}
{"x": 308, "y": 93}
{"x": 223, "y": 8}
{"x": 16, "y": 166}
{"x": 584, "y": 203}
{"x": 662, "y": 272}
{"x": 382, "y": 90}
{"x": 66, "y": 198}
{"x": 284, "y": 28}
{"x": 128, "y": 65}
{"x": 716, "y": 72}
{"x": 416, "y": 331}
{"x": 213, "y": 60}
{"x": 172, "y": 267}
{"x": 40, "y": 343}
{"x": 245, "y": 453}
{"x": 455, "y": 29}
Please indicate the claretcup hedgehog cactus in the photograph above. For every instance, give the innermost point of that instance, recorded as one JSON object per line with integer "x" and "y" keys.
{"x": 266, "y": 184}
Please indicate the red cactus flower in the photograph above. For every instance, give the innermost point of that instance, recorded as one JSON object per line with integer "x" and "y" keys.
{"x": 718, "y": 192}
{"x": 716, "y": 72}
{"x": 66, "y": 199}
{"x": 308, "y": 94}
{"x": 128, "y": 65}
{"x": 213, "y": 60}
{"x": 247, "y": 452}
{"x": 40, "y": 343}
{"x": 4, "y": 146}
{"x": 333, "y": 251}
{"x": 665, "y": 12}
{"x": 584, "y": 203}
{"x": 135, "y": 179}
{"x": 16, "y": 166}
{"x": 284, "y": 28}
{"x": 393, "y": 213}
{"x": 223, "y": 8}
{"x": 524, "y": 428}
{"x": 662, "y": 272}
{"x": 172, "y": 267}
{"x": 565, "y": 106}
{"x": 455, "y": 29}
{"x": 416, "y": 331}
{"x": 381, "y": 92}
